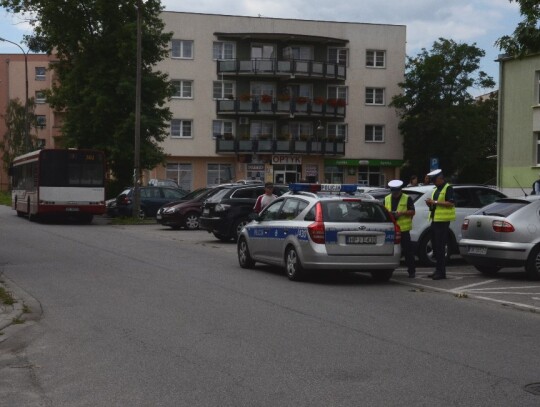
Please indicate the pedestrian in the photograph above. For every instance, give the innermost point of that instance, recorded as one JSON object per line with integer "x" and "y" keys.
{"x": 413, "y": 181}
{"x": 427, "y": 180}
{"x": 442, "y": 212}
{"x": 265, "y": 199}
{"x": 402, "y": 207}
{"x": 536, "y": 187}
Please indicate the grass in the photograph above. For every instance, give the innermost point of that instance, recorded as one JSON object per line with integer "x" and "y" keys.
{"x": 6, "y": 297}
{"x": 5, "y": 198}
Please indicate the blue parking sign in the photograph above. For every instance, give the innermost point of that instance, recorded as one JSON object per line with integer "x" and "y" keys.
{"x": 433, "y": 163}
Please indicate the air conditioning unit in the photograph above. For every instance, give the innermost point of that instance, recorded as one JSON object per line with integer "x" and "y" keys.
{"x": 243, "y": 120}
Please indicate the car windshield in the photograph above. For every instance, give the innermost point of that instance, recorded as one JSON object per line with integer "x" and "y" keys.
{"x": 195, "y": 194}
{"x": 353, "y": 211}
{"x": 502, "y": 208}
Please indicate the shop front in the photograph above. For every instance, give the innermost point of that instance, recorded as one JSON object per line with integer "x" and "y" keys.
{"x": 368, "y": 172}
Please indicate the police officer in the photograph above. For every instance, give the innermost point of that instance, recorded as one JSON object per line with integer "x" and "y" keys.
{"x": 442, "y": 212}
{"x": 402, "y": 207}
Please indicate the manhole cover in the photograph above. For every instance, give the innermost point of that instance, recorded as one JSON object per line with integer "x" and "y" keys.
{"x": 533, "y": 388}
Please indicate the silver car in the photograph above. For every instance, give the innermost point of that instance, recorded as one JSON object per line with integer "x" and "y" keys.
{"x": 313, "y": 230}
{"x": 503, "y": 234}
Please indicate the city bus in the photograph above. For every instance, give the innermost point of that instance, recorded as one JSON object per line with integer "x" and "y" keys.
{"x": 66, "y": 182}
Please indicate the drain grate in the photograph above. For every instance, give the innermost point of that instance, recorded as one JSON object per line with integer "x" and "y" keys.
{"x": 533, "y": 388}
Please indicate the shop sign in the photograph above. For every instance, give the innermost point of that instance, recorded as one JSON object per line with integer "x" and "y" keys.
{"x": 368, "y": 162}
{"x": 287, "y": 159}
{"x": 312, "y": 170}
{"x": 255, "y": 167}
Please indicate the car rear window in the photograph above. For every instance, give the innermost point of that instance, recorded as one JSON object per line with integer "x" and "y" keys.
{"x": 216, "y": 197}
{"x": 353, "y": 211}
{"x": 503, "y": 208}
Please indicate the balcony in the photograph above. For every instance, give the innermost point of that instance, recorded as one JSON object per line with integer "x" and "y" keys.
{"x": 318, "y": 147}
{"x": 314, "y": 108}
{"x": 285, "y": 68}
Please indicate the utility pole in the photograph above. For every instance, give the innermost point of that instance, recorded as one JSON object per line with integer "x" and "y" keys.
{"x": 137, "y": 145}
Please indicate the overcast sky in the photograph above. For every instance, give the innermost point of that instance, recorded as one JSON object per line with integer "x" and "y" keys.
{"x": 471, "y": 21}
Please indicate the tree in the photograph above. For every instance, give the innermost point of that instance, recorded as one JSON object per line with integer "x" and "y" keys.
{"x": 526, "y": 36}
{"x": 14, "y": 141}
{"x": 438, "y": 114}
{"x": 95, "y": 45}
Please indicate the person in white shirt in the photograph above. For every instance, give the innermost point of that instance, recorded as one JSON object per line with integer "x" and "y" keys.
{"x": 265, "y": 199}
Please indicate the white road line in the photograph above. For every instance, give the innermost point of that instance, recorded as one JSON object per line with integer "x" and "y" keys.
{"x": 508, "y": 302}
{"x": 536, "y": 298}
{"x": 509, "y": 288}
{"x": 502, "y": 292}
{"x": 472, "y": 285}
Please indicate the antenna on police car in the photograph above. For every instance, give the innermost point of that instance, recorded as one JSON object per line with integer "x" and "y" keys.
{"x": 520, "y": 185}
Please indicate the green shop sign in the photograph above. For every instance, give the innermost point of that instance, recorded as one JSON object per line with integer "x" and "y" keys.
{"x": 357, "y": 162}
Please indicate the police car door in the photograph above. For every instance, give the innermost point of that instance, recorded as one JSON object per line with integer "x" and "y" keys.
{"x": 262, "y": 233}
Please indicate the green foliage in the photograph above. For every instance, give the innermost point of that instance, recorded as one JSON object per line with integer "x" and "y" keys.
{"x": 526, "y": 36}
{"x": 95, "y": 45}
{"x": 440, "y": 118}
{"x": 5, "y": 198}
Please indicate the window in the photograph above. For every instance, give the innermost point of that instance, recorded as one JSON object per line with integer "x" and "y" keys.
{"x": 300, "y": 130}
{"x": 262, "y": 88}
{"x": 223, "y": 90}
{"x": 537, "y": 148}
{"x": 338, "y": 56}
{"x": 374, "y": 133}
{"x": 219, "y": 174}
{"x": 182, "y": 89}
{"x": 181, "y": 128}
{"x": 41, "y": 121}
{"x": 182, "y": 174}
{"x": 222, "y": 128}
{"x": 261, "y": 129}
{"x": 263, "y": 51}
{"x": 301, "y": 52}
{"x": 370, "y": 176}
{"x": 271, "y": 212}
{"x": 40, "y": 73}
{"x": 337, "y": 131}
{"x": 333, "y": 175}
{"x": 375, "y": 59}
{"x": 182, "y": 49}
{"x": 40, "y": 97}
{"x": 224, "y": 50}
{"x": 337, "y": 92}
{"x": 375, "y": 96}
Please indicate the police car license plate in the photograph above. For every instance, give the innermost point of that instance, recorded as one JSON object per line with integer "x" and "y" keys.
{"x": 477, "y": 250}
{"x": 72, "y": 209}
{"x": 361, "y": 240}
{"x": 158, "y": 216}
{"x": 206, "y": 211}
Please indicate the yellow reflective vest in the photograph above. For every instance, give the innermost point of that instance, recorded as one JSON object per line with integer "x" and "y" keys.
{"x": 443, "y": 213}
{"x": 404, "y": 221}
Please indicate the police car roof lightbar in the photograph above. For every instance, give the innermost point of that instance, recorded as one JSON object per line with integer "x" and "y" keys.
{"x": 348, "y": 188}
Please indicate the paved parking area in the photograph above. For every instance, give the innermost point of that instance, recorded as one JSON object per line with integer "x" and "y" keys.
{"x": 510, "y": 287}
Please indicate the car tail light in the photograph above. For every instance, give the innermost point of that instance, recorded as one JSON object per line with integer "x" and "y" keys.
{"x": 125, "y": 201}
{"x": 465, "y": 224}
{"x": 502, "y": 226}
{"x": 397, "y": 234}
{"x": 316, "y": 229}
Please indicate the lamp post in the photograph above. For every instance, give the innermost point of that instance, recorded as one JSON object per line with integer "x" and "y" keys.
{"x": 26, "y": 122}
{"x": 137, "y": 144}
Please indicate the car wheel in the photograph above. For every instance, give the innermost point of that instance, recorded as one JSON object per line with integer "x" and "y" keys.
{"x": 31, "y": 217}
{"x": 382, "y": 275}
{"x": 192, "y": 221}
{"x": 238, "y": 226}
{"x": 19, "y": 213}
{"x": 425, "y": 251}
{"x": 487, "y": 270}
{"x": 221, "y": 237}
{"x": 533, "y": 264}
{"x": 244, "y": 257}
{"x": 294, "y": 268}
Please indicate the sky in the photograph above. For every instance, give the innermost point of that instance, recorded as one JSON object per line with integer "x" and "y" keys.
{"x": 464, "y": 21}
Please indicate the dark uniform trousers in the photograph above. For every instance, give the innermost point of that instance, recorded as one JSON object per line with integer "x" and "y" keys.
{"x": 408, "y": 251}
{"x": 439, "y": 238}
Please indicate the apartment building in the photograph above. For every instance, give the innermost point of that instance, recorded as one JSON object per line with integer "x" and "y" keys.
{"x": 13, "y": 73}
{"x": 282, "y": 100}
{"x": 518, "y": 144}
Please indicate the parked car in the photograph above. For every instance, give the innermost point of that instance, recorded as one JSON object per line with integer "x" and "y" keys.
{"x": 152, "y": 198}
{"x": 154, "y": 182}
{"x": 503, "y": 234}
{"x": 305, "y": 230}
{"x": 185, "y": 213}
{"x": 468, "y": 199}
{"x": 227, "y": 211}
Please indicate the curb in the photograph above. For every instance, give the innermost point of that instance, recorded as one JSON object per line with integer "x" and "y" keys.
{"x": 11, "y": 313}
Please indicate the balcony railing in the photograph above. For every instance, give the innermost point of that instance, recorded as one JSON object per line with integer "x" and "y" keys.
{"x": 320, "y": 147}
{"x": 296, "y": 68}
{"x": 277, "y": 107}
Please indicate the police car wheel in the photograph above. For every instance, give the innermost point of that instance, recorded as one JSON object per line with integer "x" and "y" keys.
{"x": 295, "y": 271}
{"x": 244, "y": 257}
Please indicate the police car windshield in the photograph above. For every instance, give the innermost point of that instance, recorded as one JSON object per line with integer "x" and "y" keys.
{"x": 353, "y": 211}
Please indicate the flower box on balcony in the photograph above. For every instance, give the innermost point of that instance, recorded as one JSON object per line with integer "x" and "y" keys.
{"x": 301, "y": 100}
{"x": 266, "y": 99}
{"x": 245, "y": 97}
{"x": 318, "y": 100}
{"x": 337, "y": 102}
{"x": 283, "y": 97}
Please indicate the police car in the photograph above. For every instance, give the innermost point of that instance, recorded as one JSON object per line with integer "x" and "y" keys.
{"x": 322, "y": 226}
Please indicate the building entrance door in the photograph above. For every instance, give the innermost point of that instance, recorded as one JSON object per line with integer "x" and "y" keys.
{"x": 287, "y": 174}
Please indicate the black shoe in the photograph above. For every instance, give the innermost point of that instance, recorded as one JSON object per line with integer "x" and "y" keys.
{"x": 438, "y": 277}
{"x": 430, "y": 275}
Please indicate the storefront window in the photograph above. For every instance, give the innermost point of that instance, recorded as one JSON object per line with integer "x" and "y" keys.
{"x": 219, "y": 174}
{"x": 371, "y": 176}
{"x": 182, "y": 174}
{"x": 333, "y": 175}
{"x": 255, "y": 172}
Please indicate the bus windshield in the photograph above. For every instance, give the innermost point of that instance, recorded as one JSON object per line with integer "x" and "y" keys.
{"x": 71, "y": 168}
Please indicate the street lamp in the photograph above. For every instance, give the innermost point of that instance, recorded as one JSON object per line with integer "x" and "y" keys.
{"x": 26, "y": 122}
{"x": 137, "y": 145}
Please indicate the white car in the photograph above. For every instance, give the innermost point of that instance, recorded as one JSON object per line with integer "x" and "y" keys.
{"x": 468, "y": 199}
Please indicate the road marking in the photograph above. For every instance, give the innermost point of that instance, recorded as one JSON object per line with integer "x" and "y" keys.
{"x": 509, "y": 288}
{"x": 502, "y": 292}
{"x": 472, "y": 285}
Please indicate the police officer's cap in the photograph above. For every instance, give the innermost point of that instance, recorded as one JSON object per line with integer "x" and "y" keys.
{"x": 395, "y": 185}
{"x": 435, "y": 173}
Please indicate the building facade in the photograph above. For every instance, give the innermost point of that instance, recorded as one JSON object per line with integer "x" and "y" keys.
{"x": 281, "y": 100}
{"x": 13, "y": 73}
{"x": 518, "y": 144}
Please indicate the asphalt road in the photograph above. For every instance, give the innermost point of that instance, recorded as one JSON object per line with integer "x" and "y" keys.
{"x": 147, "y": 316}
